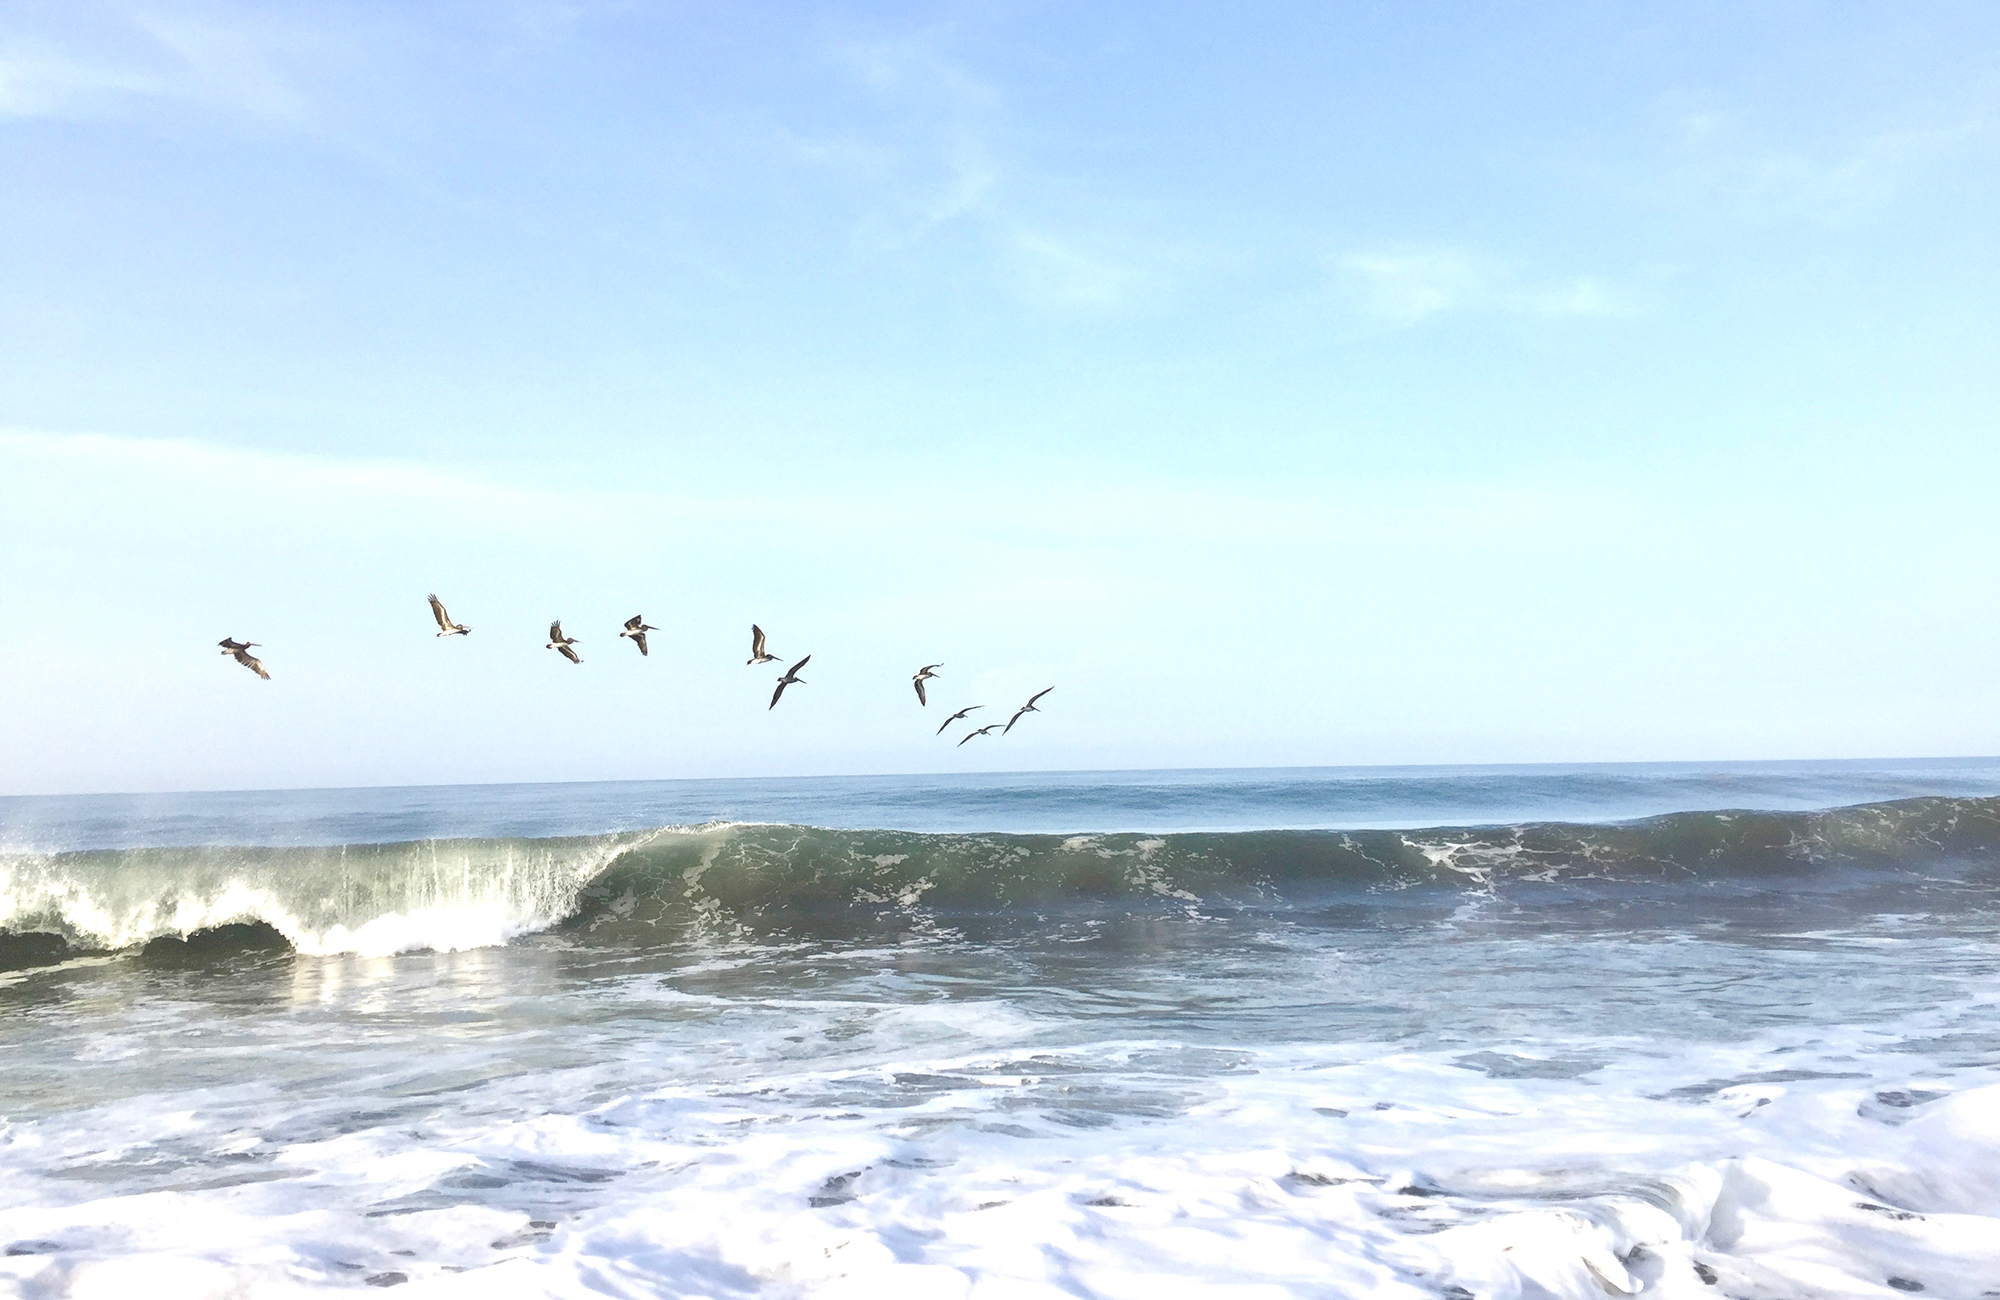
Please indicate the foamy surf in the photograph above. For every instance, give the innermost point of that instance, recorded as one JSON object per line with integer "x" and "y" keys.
{"x": 928, "y": 1148}
{"x": 1748, "y": 1054}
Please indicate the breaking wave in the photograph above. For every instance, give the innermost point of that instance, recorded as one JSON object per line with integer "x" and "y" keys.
{"x": 453, "y": 894}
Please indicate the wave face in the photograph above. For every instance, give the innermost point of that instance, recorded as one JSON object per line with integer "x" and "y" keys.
{"x": 364, "y": 898}
{"x": 454, "y": 894}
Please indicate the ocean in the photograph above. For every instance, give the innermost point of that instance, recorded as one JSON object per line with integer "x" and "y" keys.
{"x": 1679, "y": 1030}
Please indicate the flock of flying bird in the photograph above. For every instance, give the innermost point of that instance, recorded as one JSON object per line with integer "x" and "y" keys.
{"x": 636, "y": 628}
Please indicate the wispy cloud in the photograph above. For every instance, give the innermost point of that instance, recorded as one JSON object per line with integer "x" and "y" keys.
{"x": 96, "y": 58}
{"x": 1065, "y": 272}
{"x": 921, "y": 155}
{"x": 1721, "y": 162}
{"x": 223, "y": 469}
{"x": 39, "y": 80}
{"x": 939, "y": 150}
{"x": 228, "y": 63}
{"x": 1407, "y": 284}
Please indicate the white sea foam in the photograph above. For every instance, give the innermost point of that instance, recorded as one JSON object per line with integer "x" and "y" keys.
{"x": 1473, "y": 1093}
{"x": 879, "y": 1141}
{"x": 1501, "y": 1188}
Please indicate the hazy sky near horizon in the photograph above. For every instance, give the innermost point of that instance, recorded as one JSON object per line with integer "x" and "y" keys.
{"x": 1291, "y": 383}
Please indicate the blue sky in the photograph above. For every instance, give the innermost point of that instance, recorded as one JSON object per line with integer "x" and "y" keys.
{"x": 1334, "y": 383}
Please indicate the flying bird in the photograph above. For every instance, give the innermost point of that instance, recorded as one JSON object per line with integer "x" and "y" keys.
{"x": 956, "y": 716}
{"x": 758, "y": 655}
{"x": 791, "y": 678}
{"x": 240, "y": 651}
{"x": 562, "y": 644}
{"x": 924, "y": 674}
{"x": 982, "y": 731}
{"x": 636, "y": 627}
{"x": 445, "y": 626}
{"x": 1025, "y": 709}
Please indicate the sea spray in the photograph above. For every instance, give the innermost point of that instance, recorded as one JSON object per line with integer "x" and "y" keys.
{"x": 365, "y": 898}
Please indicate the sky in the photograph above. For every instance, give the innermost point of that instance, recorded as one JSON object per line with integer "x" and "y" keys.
{"x": 1329, "y": 383}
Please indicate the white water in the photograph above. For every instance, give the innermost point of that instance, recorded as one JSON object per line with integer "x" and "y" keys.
{"x": 1573, "y": 1090}
{"x": 1101, "y": 1113}
{"x": 375, "y": 901}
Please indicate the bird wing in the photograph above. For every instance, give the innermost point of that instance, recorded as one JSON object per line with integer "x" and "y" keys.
{"x": 437, "y": 612}
{"x": 969, "y": 735}
{"x": 1018, "y": 714}
{"x": 782, "y": 683}
{"x": 555, "y": 632}
{"x": 1038, "y": 695}
{"x": 640, "y": 637}
{"x": 569, "y": 654}
{"x": 756, "y": 642}
{"x": 251, "y": 662}
{"x": 792, "y": 673}
{"x": 632, "y": 623}
{"x": 921, "y": 697}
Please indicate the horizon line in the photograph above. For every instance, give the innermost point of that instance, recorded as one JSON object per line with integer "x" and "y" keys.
{"x": 1030, "y": 772}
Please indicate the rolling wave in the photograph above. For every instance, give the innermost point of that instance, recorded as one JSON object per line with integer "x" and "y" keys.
{"x": 452, "y": 894}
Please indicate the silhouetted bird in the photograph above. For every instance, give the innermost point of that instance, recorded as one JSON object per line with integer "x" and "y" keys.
{"x": 758, "y": 655}
{"x": 791, "y": 678}
{"x": 1025, "y": 709}
{"x": 982, "y": 731}
{"x": 924, "y": 674}
{"x": 956, "y": 716}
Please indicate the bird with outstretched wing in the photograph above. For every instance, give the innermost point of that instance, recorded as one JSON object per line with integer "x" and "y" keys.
{"x": 791, "y": 678}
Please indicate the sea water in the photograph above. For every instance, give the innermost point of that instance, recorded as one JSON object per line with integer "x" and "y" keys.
{"x": 1665, "y": 1030}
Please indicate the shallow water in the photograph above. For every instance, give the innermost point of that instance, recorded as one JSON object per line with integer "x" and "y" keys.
{"x": 1496, "y": 1079}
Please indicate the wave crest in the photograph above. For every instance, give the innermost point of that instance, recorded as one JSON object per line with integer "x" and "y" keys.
{"x": 373, "y": 899}
{"x": 452, "y": 894}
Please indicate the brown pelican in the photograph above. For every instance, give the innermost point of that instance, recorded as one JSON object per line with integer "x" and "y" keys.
{"x": 791, "y": 678}
{"x": 758, "y": 655}
{"x": 924, "y": 674}
{"x": 982, "y": 731}
{"x": 956, "y": 716}
{"x": 561, "y": 644}
{"x": 445, "y": 626}
{"x": 240, "y": 651}
{"x": 1027, "y": 708}
{"x": 636, "y": 627}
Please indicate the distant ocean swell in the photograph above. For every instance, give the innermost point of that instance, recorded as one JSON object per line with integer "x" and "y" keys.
{"x": 454, "y": 894}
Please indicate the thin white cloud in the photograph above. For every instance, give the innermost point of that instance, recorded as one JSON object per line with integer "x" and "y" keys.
{"x": 940, "y": 150}
{"x": 39, "y": 80}
{"x": 268, "y": 473}
{"x": 1051, "y": 519}
{"x": 1406, "y": 284}
{"x": 1720, "y": 163}
{"x": 931, "y": 161}
{"x": 95, "y": 59}
{"x": 1062, "y": 272}
{"x": 231, "y": 64}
